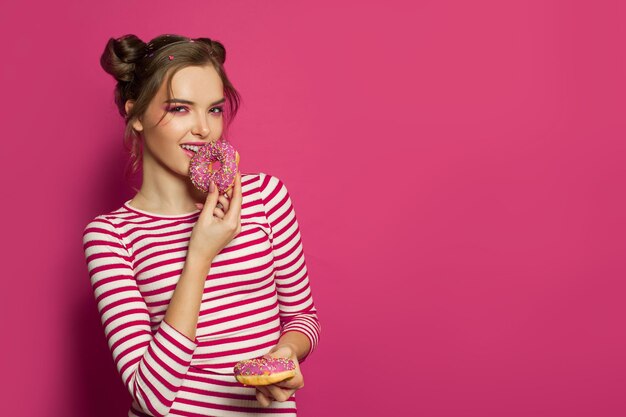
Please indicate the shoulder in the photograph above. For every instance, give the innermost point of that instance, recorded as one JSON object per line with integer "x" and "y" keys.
{"x": 104, "y": 224}
{"x": 268, "y": 182}
{"x": 262, "y": 182}
{"x": 101, "y": 224}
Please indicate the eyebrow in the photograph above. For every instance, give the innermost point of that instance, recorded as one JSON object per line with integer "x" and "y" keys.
{"x": 181, "y": 100}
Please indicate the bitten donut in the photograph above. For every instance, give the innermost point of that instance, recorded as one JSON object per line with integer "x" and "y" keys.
{"x": 264, "y": 371}
{"x": 201, "y": 169}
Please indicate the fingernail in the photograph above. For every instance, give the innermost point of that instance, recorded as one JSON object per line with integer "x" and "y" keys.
{"x": 199, "y": 206}
{"x": 211, "y": 187}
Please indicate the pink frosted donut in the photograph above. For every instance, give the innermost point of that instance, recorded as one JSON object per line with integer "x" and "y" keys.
{"x": 201, "y": 166}
{"x": 264, "y": 371}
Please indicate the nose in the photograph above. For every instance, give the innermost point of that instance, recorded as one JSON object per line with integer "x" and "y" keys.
{"x": 201, "y": 127}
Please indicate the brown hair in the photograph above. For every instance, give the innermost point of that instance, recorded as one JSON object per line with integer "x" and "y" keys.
{"x": 140, "y": 69}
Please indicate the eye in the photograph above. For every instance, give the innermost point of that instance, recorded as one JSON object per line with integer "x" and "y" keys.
{"x": 219, "y": 108}
{"x": 175, "y": 109}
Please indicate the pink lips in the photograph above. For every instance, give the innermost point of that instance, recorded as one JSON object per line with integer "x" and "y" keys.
{"x": 189, "y": 153}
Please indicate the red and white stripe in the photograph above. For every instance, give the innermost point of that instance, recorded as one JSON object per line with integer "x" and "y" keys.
{"x": 257, "y": 289}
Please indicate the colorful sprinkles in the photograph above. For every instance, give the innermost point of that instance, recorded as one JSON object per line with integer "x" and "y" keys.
{"x": 263, "y": 366}
{"x": 201, "y": 167}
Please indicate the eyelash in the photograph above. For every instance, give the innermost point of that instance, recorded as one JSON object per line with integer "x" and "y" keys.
{"x": 173, "y": 109}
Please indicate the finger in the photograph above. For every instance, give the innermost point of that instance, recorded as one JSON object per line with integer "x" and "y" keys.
{"x": 217, "y": 212}
{"x": 223, "y": 201}
{"x": 211, "y": 199}
{"x": 265, "y": 391}
{"x": 280, "y": 351}
{"x": 288, "y": 383}
{"x": 279, "y": 393}
{"x": 235, "y": 202}
{"x": 229, "y": 191}
{"x": 262, "y": 399}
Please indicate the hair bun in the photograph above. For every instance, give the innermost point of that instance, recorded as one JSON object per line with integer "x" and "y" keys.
{"x": 216, "y": 49}
{"x": 120, "y": 55}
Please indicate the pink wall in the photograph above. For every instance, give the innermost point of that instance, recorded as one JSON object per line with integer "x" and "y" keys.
{"x": 457, "y": 169}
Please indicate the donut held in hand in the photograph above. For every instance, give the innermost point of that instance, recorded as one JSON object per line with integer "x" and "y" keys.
{"x": 264, "y": 371}
{"x": 201, "y": 169}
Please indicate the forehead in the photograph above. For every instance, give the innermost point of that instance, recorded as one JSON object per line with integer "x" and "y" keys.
{"x": 198, "y": 84}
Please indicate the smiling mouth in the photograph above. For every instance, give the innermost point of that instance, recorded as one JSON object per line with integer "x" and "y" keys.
{"x": 189, "y": 150}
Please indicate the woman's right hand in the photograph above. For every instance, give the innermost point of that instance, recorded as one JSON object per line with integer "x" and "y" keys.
{"x": 216, "y": 227}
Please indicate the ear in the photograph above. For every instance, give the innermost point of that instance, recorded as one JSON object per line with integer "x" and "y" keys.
{"x": 137, "y": 125}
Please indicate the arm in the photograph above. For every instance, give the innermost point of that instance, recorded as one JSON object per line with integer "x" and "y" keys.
{"x": 298, "y": 342}
{"x": 152, "y": 366}
{"x": 295, "y": 300}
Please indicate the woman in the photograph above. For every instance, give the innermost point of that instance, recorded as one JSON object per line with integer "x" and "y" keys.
{"x": 184, "y": 293}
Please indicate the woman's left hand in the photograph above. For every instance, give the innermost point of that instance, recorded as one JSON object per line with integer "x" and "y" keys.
{"x": 283, "y": 390}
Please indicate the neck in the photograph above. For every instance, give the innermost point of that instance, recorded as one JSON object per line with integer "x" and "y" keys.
{"x": 165, "y": 191}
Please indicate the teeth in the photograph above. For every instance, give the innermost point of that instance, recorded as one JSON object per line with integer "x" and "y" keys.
{"x": 191, "y": 147}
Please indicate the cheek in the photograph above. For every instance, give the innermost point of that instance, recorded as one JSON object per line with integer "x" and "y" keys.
{"x": 170, "y": 130}
{"x": 218, "y": 125}
{"x": 217, "y": 129}
{"x": 161, "y": 138}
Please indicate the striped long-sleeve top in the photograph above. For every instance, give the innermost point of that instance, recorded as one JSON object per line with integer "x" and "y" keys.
{"x": 256, "y": 290}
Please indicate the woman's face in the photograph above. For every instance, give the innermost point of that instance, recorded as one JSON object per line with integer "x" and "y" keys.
{"x": 194, "y": 114}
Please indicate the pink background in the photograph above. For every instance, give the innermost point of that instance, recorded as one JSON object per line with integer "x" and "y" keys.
{"x": 457, "y": 170}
